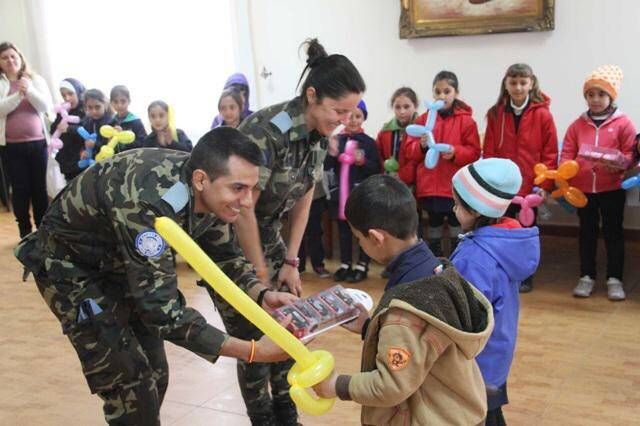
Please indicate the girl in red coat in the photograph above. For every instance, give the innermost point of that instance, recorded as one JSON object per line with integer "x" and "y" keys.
{"x": 520, "y": 127}
{"x": 456, "y": 127}
{"x": 404, "y": 102}
{"x": 603, "y": 125}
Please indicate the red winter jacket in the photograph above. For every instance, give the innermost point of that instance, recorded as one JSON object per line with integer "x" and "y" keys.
{"x": 535, "y": 142}
{"x": 384, "y": 143}
{"x": 457, "y": 129}
{"x": 617, "y": 132}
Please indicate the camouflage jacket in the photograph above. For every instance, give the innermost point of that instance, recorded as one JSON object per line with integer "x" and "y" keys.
{"x": 102, "y": 225}
{"x": 294, "y": 158}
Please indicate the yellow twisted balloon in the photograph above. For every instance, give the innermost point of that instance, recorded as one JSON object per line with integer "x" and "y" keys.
{"x": 310, "y": 367}
{"x": 171, "y": 117}
{"x": 115, "y": 137}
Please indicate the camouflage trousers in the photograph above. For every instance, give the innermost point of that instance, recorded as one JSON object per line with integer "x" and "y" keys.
{"x": 122, "y": 362}
{"x": 263, "y": 408}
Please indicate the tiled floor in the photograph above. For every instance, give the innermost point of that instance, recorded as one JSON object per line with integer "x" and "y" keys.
{"x": 577, "y": 361}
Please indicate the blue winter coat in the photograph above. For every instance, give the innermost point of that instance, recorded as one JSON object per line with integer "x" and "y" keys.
{"x": 495, "y": 260}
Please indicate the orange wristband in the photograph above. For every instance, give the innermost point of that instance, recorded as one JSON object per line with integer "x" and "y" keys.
{"x": 253, "y": 351}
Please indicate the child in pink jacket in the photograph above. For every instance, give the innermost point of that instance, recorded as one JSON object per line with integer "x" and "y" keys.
{"x": 603, "y": 125}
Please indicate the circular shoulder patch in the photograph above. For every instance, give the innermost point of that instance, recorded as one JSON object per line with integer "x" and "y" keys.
{"x": 150, "y": 244}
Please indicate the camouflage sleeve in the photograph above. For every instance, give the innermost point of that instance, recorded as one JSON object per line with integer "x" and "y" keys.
{"x": 265, "y": 141}
{"x": 153, "y": 285}
{"x": 221, "y": 244}
{"x": 319, "y": 153}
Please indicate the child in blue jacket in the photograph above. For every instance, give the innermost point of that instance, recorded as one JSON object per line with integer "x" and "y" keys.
{"x": 494, "y": 255}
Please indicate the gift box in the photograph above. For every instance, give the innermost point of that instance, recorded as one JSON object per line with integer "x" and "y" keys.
{"x": 607, "y": 156}
{"x": 319, "y": 313}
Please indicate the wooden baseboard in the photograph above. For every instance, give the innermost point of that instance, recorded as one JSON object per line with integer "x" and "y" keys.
{"x": 572, "y": 231}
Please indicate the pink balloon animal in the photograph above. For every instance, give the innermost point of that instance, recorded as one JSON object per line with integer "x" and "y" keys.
{"x": 346, "y": 159}
{"x": 527, "y": 215}
{"x": 63, "y": 110}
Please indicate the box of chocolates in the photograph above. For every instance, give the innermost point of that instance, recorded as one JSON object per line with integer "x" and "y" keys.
{"x": 607, "y": 156}
{"x": 320, "y": 312}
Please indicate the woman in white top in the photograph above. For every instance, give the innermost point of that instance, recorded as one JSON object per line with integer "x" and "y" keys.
{"x": 24, "y": 100}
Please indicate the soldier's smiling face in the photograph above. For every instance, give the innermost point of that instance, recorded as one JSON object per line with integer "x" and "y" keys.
{"x": 227, "y": 195}
{"x": 328, "y": 113}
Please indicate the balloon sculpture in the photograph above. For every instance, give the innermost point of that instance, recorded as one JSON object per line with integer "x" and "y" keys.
{"x": 310, "y": 367}
{"x": 631, "y": 182}
{"x": 434, "y": 149}
{"x": 566, "y": 171}
{"x": 527, "y": 215}
{"x": 63, "y": 110}
{"x": 346, "y": 159}
{"x": 84, "y": 134}
{"x": 115, "y": 137}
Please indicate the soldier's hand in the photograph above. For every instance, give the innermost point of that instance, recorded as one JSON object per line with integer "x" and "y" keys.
{"x": 268, "y": 351}
{"x": 275, "y": 299}
{"x": 290, "y": 276}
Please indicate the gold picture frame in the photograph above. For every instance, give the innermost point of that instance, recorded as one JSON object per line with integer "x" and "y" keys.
{"x": 436, "y": 18}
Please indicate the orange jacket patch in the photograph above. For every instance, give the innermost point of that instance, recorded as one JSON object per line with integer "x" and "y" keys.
{"x": 398, "y": 358}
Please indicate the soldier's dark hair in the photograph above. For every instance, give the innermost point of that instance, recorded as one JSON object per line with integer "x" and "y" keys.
{"x": 449, "y": 77}
{"x": 332, "y": 76}
{"x": 213, "y": 150}
{"x": 383, "y": 202}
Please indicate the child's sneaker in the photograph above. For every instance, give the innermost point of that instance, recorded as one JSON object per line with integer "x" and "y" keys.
{"x": 321, "y": 272}
{"x": 343, "y": 273}
{"x": 615, "y": 290}
{"x": 584, "y": 287}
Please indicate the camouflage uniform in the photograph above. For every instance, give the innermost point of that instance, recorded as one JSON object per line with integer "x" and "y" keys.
{"x": 294, "y": 162}
{"x": 111, "y": 281}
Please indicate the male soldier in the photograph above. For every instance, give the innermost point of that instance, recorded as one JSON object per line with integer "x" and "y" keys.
{"x": 111, "y": 281}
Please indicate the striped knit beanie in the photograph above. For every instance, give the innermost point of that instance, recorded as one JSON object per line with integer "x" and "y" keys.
{"x": 488, "y": 185}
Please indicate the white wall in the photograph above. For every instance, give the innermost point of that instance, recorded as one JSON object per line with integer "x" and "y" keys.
{"x": 588, "y": 33}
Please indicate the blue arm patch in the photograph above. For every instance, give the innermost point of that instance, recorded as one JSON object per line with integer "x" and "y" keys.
{"x": 282, "y": 121}
{"x": 177, "y": 196}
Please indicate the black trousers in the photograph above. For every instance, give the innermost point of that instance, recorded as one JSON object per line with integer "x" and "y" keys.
{"x": 608, "y": 206}
{"x": 346, "y": 245}
{"x": 27, "y": 169}
{"x": 4, "y": 177}
{"x": 312, "y": 241}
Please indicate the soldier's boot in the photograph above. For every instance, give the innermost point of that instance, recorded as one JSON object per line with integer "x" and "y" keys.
{"x": 263, "y": 420}
{"x": 286, "y": 414}
{"x": 435, "y": 244}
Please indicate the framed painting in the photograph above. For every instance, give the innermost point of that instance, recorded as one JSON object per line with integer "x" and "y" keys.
{"x": 435, "y": 18}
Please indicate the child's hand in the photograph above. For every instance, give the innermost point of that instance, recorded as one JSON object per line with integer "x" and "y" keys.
{"x": 423, "y": 141}
{"x": 355, "y": 326}
{"x": 449, "y": 155}
{"x": 118, "y": 128}
{"x": 84, "y": 155}
{"x": 359, "y": 157}
{"x": 89, "y": 144}
{"x": 327, "y": 387}
{"x": 63, "y": 126}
